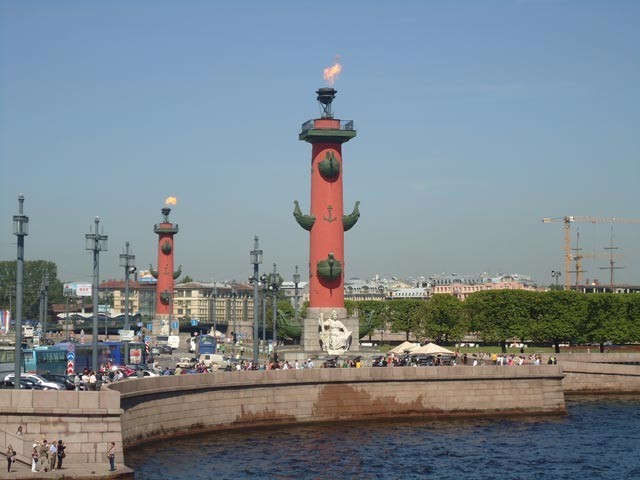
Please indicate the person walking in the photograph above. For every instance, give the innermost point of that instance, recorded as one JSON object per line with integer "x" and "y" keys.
{"x": 11, "y": 457}
{"x": 53, "y": 455}
{"x": 34, "y": 458}
{"x": 111, "y": 454}
{"x": 43, "y": 455}
{"x": 61, "y": 448}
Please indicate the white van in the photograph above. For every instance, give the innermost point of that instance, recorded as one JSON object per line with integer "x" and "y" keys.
{"x": 172, "y": 340}
{"x": 209, "y": 359}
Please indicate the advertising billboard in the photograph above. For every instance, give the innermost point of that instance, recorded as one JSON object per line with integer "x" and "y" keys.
{"x": 77, "y": 289}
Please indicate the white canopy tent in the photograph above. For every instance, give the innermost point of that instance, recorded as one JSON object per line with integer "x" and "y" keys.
{"x": 432, "y": 349}
{"x": 404, "y": 347}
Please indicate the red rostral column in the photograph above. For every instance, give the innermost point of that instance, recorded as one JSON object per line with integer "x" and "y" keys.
{"x": 326, "y": 222}
{"x": 165, "y": 274}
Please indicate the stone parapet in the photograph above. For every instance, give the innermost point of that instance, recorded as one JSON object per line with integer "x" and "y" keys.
{"x": 84, "y": 421}
{"x": 165, "y": 406}
{"x": 599, "y": 377}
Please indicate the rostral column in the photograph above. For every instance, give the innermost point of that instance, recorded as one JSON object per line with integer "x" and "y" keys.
{"x": 326, "y": 222}
{"x": 165, "y": 273}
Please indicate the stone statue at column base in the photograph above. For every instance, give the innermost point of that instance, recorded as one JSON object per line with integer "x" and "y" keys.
{"x": 335, "y": 339}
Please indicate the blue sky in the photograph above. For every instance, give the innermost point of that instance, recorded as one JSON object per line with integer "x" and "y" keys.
{"x": 475, "y": 119}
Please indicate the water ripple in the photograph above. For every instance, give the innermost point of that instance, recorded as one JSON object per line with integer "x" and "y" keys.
{"x": 598, "y": 439}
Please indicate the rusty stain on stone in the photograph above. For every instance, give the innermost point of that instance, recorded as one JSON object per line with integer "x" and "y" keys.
{"x": 265, "y": 417}
{"x": 347, "y": 402}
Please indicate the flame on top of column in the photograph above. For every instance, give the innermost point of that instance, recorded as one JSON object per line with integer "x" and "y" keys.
{"x": 332, "y": 73}
{"x": 171, "y": 201}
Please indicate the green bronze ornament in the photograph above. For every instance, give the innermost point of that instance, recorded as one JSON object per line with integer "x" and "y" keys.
{"x": 177, "y": 273}
{"x": 154, "y": 273}
{"x": 165, "y": 297}
{"x": 166, "y": 247}
{"x": 329, "y": 168}
{"x": 305, "y": 221}
{"x": 330, "y": 269}
{"x": 350, "y": 220}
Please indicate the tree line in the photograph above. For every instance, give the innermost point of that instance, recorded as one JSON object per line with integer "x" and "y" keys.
{"x": 499, "y": 316}
{"x": 34, "y": 273}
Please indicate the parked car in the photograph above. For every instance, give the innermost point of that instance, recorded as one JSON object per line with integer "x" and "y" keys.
{"x": 155, "y": 351}
{"x": 37, "y": 379}
{"x": 25, "y": 383}
{"x": 186, "y": 362}
{"x": 63, "y": 379}
{"x": 166, "y": 349}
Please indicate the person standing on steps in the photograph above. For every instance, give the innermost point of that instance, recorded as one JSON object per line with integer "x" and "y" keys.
{"x": 11, "y": 457}
{"x": 61, "y": 448}
{"x": 111, "y": 454}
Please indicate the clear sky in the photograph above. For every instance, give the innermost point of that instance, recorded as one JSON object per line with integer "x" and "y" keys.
{"x": 475, "y": 119}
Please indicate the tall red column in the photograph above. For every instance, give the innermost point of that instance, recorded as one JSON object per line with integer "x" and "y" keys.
{"x": 326, "y": 222}
{"x": 165, "y": 274}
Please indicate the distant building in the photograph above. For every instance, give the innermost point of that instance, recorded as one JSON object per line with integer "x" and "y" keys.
{"x": 228, "y": 305}
{"x": 461, "y": 286}
{"x": 289, "y": 291}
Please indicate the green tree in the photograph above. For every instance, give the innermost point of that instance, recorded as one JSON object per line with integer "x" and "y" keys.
{"x": 607, "y": 320}
{"x": 404, "y": 315}
{"x": 633, "y": 316}
{"x": 442, "y": 319}
{"x": 34, "y": 272}
{"x": 557, "y": 315}
{"x": 498, "y": 315}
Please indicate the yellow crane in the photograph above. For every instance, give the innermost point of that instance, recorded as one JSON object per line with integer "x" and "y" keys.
{"x": 568, "y": 220}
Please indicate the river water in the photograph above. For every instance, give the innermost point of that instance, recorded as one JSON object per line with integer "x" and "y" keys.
{"x": 598, "y": 439}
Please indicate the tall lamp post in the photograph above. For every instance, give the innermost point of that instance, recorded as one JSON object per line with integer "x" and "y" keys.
{"x": 274, "y": 290}
{"x": 256, "y": 260}
{"x": 215, "y": 306}
{"x": 296, "y": 281}
{"x": 21, "y": 230}
{"x": 95, "y": 242}
{"x": 233, "y": 315}
{"x": 126, "y": 261}
{"x": 555, "y": 274}
{"x": 263, "y": 279}
{"x": 44, "y": 301}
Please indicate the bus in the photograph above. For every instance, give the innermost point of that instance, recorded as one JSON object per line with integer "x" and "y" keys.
{"x": 7, "y": 360}
{"x": 206, "y": 344}
{"x": 112, "y": 352}
{"x": 45, "y": 360}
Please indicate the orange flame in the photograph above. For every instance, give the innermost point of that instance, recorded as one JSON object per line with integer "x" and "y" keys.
{"x": 332, "y": 73}
{"x": 171, "y": 201}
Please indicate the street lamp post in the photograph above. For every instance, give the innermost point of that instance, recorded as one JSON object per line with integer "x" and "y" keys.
{"x": 126, "y": 261}
{"x": 233, "y": 316}
{"x": 95, "y": 242}
{"x": 555, "y": 274}
{"x": 215, "y": 306}
{"x": 296, "y": 281}
{"x": 263, "y": 279}
{"x": 21, "y": 230}
{"x": 274, "y": 291}
{"x": 44, "y": 300}
{"x": 256, "y": 260}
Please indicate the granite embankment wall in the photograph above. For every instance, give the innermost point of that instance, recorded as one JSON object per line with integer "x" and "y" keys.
{"x": 165, "y": 406}
{"x": 84, "y": 421}
{"x": 612, "y": 372}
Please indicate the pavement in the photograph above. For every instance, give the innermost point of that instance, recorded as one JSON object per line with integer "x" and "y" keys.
{"x": 76, "y": 472}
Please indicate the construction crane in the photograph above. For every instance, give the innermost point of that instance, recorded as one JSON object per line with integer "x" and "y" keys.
{"x": 578, "y": 257}
{"x": 568, "y": 220}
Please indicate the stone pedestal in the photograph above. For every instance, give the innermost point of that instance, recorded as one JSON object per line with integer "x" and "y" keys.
{"x": 158, "y": 321}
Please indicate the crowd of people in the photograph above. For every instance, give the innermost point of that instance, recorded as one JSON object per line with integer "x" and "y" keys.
{"x": 46, "y": 456}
